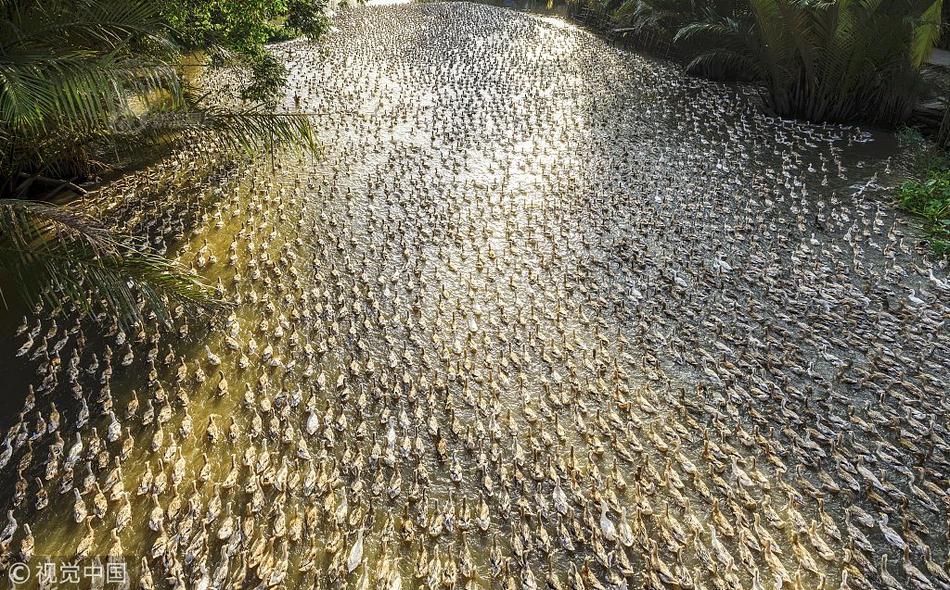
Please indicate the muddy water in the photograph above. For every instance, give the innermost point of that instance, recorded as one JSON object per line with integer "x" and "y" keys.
{"x": 542, "y": 311}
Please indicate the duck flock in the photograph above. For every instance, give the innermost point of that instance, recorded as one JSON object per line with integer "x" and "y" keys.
{"x": 543, "y": 313}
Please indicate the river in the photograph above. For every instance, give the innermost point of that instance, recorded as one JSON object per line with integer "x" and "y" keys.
{"x": 542, "y": 311}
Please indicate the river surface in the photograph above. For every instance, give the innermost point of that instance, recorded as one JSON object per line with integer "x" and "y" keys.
{"x": 542, "y": 312}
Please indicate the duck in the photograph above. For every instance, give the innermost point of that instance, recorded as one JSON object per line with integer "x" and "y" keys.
{"x": 213, "y": 359}
{"x": 355, "y": 555}
{"x": 6, "y": 535}
{"x": 222, "y": 384}
{"x": 86, "y": 543}
{"x": 79, "y": 507}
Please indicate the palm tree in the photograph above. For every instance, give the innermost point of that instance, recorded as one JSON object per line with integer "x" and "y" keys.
{"x": 828, "y": 61}
{"x": 83, "y": 85}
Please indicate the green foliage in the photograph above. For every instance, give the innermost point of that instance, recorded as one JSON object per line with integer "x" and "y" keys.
{"x": 837, "y": 61}
{"x": 307, "y": 18}
{"x": 268, "y": 75}
{"x": 53, "y": 253}
{"x": 928, "y": 195}
{"x": 237, "y": 31}
{"x": 238, "y": 25}
{"x": 657, "y": 23}
{"x": 931, "y": 200}
{"x": 818, "y": 60}
{"x": 729, "y": 28}
{"x": 944, "y": 41}
{"x": 65, "y": 69}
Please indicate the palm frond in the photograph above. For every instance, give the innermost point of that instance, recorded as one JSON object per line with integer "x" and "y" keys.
{"x": 56, "y": 24}
{"x": 723, "y": 28}
{"x": 50, "y": 253}
{"x": 39, "y": 92}
{"x": 721, "y": 60}
{"x": 67, "y": 73}
{"x": 252, "y": 131}
{"x": 926, "y": 34}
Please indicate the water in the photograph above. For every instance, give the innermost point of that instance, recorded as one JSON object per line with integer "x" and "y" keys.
{"x": 529, "y": 274}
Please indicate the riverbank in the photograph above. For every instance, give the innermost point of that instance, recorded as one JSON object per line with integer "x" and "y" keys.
{"x": 927, "y": 193}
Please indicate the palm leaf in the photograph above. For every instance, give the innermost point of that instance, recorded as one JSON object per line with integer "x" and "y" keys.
{"x": 926, "y": 34}
{"x": 52, "y": 253}
{"x": 722, "y": 60}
